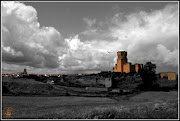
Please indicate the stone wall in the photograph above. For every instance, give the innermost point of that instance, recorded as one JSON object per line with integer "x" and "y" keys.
{"x": 123, "y": 65}
{"x": 170, "y": 75}
{"x": 127, "y": 67}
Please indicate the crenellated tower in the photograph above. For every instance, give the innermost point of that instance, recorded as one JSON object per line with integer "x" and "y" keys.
{"x": 123, "y": 65}
{"x": 121, "y": 60}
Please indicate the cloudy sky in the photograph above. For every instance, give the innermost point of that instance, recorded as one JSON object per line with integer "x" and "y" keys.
{"x": 84, "y": 37}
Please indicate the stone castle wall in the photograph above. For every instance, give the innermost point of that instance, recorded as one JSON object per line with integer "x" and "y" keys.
{"x": 127, "y": 67}
{"x": 123, "y": 65}
{"x": 170, "y": 75}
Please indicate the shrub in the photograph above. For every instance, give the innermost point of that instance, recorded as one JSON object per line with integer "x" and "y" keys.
{"x": 19, "y": 88}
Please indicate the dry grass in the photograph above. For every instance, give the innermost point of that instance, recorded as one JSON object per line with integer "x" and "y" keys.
{"x": 141, "y": 106}
{"x": 141, "y": 111}
{"x": 27, "y": 87}
{"x": 155, "y": 96}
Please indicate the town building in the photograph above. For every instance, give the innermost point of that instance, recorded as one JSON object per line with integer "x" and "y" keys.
{"x": 124, "y": 66}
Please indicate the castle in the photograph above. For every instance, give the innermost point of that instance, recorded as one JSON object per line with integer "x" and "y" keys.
{"x": 123, "y": 65}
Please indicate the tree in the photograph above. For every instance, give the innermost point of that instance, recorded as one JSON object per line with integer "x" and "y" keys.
{"x": 148, "y": 75}
{"x": 149, "y": 67}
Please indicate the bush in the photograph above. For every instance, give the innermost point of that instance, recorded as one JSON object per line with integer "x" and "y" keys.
{"x": 148, "y": 76}
{"x": 17, "y": 88}
{"x": 5, "y": 90}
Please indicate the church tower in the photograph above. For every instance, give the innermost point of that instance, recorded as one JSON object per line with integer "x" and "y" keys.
{"x": 25, "y": 72}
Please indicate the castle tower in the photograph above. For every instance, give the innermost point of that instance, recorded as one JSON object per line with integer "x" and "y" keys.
{"x": 122, "y": 59}
{"x": 138, "y": 66}
{"x": 124, "y": 66}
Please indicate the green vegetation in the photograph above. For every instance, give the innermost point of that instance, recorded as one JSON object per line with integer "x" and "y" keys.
{"x": 79, "y": 97}
{"x": 30, "y": 87}
{"x": 148, "y": 75}
{"x": 167, "y": 85}
{"x": 149, "y": 105}
{"x": 142, "y": 111}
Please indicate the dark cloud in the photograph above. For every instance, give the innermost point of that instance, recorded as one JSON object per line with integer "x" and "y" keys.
{"x": 24, "y": 41}
{"x": 146, "y": 36}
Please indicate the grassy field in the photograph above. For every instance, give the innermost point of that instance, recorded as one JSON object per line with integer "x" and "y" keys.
{"x": 30, "y": 87}
{"x": 151, "y": 105}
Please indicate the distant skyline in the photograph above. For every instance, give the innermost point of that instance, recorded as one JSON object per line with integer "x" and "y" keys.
{"x": 84, "y": 37}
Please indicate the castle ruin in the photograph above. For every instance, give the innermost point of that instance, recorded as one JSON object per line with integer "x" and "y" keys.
{"x": 169, "y": 75}
{"x": 124, "y": 66}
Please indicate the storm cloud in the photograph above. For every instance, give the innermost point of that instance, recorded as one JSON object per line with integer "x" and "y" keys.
{"x": 24, "y": 41}
{"x": 146, "y": 36}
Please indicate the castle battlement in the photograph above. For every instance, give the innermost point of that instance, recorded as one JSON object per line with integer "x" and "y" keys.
{"x": 123, "y": 65}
